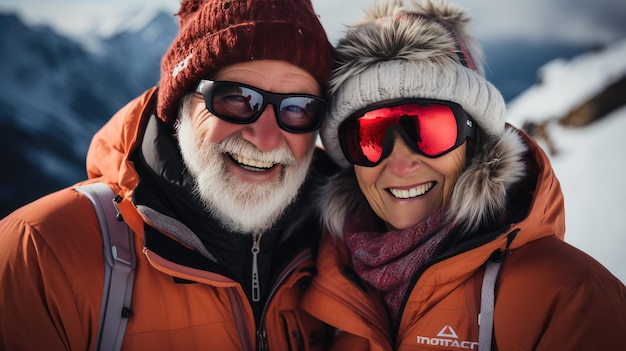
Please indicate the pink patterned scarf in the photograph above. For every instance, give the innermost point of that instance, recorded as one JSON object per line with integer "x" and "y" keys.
{"x": 388, "y": 259}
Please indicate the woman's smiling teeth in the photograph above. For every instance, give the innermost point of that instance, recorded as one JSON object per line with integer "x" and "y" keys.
{"x": 250, "y": 164}
{"x": 412, "y": 192}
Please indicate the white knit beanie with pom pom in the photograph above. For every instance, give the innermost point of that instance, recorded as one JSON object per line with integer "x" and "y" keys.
{"x": 416, "y": 50}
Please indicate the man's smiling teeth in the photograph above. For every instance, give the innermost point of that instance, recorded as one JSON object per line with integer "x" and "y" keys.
{"x": 413, "y": 192}
{"x": 250, "y": 163}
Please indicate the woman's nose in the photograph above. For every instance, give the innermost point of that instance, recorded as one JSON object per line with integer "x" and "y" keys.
{"x": 402, "y": 159}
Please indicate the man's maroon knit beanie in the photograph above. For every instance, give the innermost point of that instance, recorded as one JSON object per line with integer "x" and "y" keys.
{"x": 217, "y": 33}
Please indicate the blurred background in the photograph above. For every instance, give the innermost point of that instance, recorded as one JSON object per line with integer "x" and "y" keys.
{"x": 67, "y": 66}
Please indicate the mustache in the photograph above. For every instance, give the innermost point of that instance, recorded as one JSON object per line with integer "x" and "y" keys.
{"x": 236, "y": 145}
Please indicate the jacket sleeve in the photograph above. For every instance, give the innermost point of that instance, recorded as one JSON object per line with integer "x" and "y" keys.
{"x": 50, "y": 294}
{"x": 552, "y": 296}
{"x": 590, "y": 316}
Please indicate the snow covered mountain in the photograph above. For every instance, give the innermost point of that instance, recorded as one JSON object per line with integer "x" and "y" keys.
{"x": 56, "y": 92}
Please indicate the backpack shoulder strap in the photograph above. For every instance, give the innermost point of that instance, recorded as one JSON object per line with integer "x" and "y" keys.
{"x": 120, "y": 261}
{"x": 487, "y": 304}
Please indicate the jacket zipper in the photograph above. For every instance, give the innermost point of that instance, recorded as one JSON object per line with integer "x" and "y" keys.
{"x": 261, "y": 332}
{"x": 238, "y": 309}
{"x": 256, "y": 285}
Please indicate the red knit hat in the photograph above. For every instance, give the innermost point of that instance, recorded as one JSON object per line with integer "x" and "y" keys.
{"x": 217, "y": 33}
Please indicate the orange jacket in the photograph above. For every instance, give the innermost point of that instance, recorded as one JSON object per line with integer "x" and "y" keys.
{"x": 549, "y": 295}
{"x": 51, "y": 274}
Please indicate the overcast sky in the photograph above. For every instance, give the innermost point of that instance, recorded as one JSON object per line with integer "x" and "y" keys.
{"x": 570, "y": 20}
{"x": 583, "y": 21}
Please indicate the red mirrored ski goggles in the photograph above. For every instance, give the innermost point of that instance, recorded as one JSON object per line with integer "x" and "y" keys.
{"x": 430, "y": 127}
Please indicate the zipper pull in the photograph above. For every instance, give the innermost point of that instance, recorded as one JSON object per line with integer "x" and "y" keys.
{"x": 256, "y": 285}
{"x": 262, "y": 340}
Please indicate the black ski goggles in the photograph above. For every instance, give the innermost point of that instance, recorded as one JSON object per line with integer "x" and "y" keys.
{"x": 242, "y": 104}
{"x": 430, "y": 127}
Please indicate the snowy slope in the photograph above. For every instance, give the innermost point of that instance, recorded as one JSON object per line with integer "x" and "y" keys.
{"x": 590, "y": 163}
{"x": 567, "y": 83}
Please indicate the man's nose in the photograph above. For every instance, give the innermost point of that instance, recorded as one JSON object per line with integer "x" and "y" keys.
{"x": 264, "y": 133}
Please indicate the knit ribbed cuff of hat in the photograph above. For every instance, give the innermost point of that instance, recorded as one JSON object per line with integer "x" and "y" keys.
{"x": 396, "y": 79}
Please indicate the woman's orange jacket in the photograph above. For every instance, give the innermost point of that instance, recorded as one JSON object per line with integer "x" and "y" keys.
{"x": 549, "y": 295}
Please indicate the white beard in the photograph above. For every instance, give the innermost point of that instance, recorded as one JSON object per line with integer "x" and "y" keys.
{"x": 238, "y": 205}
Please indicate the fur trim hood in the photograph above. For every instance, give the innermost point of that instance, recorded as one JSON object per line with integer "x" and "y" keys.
{"x": 478, "y": 197}
{"x": 422, "y": 49}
